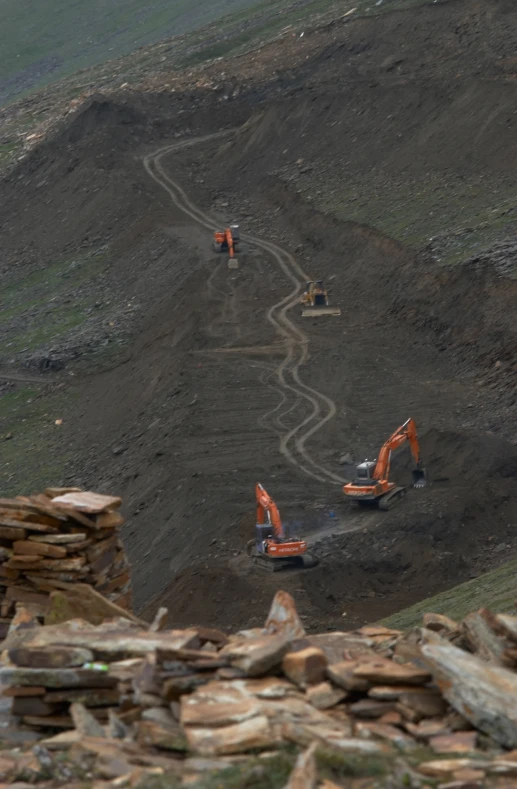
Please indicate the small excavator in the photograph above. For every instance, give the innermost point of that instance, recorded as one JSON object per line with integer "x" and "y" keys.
{"x": 372, "y": 486}
{"x": 228, "y": 241}
{"x": 316, "y": 301}
{"x": 272, "y": 549}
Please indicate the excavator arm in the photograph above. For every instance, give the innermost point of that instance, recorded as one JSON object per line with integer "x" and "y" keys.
{"x": 407, "y": 432}
{"x": 267, "y": 510}
{"x": 229, "y": 241}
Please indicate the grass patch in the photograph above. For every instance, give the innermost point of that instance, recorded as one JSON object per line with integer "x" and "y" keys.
{"x": 48, "y": 328}
{"x": 27, "y": 461}
{"x": 49, "y": 303}
{"x": 272, "y": 772}
{"x": 8, "y": 151}
{"x": 42, "y": 42}
{"x": 265, "y": 20}
{"x": 471, "y": 215}
{"x": 496, "y": 590}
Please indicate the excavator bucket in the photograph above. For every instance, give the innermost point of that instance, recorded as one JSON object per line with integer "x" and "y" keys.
{"x": 419, "y": 478}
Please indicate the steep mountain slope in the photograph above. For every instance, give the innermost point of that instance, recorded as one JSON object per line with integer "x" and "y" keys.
{"x": 189, "y": 410}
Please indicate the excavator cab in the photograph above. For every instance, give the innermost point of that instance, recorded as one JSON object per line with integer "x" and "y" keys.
{"x": 364, "y": 471}
{"x": 263, "y": 533}
{"x": 227, "y": 240}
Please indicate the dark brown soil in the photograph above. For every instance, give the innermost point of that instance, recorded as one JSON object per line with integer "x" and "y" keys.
{"x": 179, "y": 425}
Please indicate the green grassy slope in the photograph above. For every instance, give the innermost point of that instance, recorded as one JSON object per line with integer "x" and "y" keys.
{"x": 496, "y": 590}
{"x": 43, "y": 41}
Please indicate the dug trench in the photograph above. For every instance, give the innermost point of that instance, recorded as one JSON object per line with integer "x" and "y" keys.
{"x": 192, "y": 413}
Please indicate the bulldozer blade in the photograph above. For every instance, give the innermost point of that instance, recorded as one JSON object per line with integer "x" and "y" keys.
{"x": 419, "y": 478}
{"x": 316, "y": 312}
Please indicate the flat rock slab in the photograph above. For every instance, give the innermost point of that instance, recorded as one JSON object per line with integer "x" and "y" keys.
{"x": 111, "y": 640}
{"x": 56, "y": 678}
{"x": 257, "y": 656}
{"x": 305, "y": 667}
{"x": 324, "y": 696}
{"x": 169, "y": 738}
{"x": 62, "y": 741}
{"x": 304, "y": 734}
{"x": 441, "y": 768}
{"x": 439, "y": 623}
{"x": 50, "y": 657}
{"x": 250, "y": 735}
{"x": 57, "y": 539}
{"x": 383, "y": 671}
{"x": 343, "y": 675}
{"x": 459, "y": 742}
{"x": 508, "y": 624}
{"x": 386, "y": 732}
{"x": 338, "y": 646}
{"x": 91, "y": 503}
{"x": 484, "y": 694}
{"x": 28, "y": 548}
{"x": 371, "y": 708}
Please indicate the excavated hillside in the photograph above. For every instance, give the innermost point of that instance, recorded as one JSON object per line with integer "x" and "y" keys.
{"x": 181, "y": 383}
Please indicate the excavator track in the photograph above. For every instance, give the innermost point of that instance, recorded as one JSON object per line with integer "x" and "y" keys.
{"x": 386, "y": 502}
{"x": 264, "y": 562}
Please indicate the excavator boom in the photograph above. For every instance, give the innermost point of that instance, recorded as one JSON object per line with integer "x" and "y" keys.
{"x": 267, "y": 511}
{"x": 407, "y": 432}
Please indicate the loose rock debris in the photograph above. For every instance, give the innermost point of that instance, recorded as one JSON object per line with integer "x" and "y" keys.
{"x": 63, "y": 540}
{"x": 136, "y": 701}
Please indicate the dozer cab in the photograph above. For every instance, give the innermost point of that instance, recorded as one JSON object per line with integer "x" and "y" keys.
{"x": 315, "y": 301}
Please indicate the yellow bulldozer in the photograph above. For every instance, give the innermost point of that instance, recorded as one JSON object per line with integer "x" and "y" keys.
{"x": 315, "y": 301}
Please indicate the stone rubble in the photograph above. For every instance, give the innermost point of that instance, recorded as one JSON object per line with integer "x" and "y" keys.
{"x": 132, "y": 701}
{"x": 60, "y": 549}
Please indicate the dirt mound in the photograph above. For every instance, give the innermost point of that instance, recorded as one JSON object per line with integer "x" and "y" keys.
{"x": 206, "y": 594}
{"x": 100, "y": 112}
{"x": 468, "y": 457}
{"x": 461, "y": 457}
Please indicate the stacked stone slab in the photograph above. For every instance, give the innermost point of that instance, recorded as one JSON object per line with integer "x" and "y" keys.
{"x": 61, "y": 537}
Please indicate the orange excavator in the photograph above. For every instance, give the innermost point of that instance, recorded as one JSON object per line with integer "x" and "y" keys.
{"x": 227, "y": 241}
{"x": 272, "y": 548}
{"x": 372, "y": 486}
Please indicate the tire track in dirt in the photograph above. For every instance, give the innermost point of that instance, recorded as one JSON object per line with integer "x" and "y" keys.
{"x": 292, "y": 444}
{"x": 28, "y": 379}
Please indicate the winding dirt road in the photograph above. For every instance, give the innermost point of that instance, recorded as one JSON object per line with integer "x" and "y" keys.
{"x": 295, "y": 343}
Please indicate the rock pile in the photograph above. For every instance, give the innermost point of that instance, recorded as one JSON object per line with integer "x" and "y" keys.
{"x": 136, "y": 700}
{"x": 49, "y": 541}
